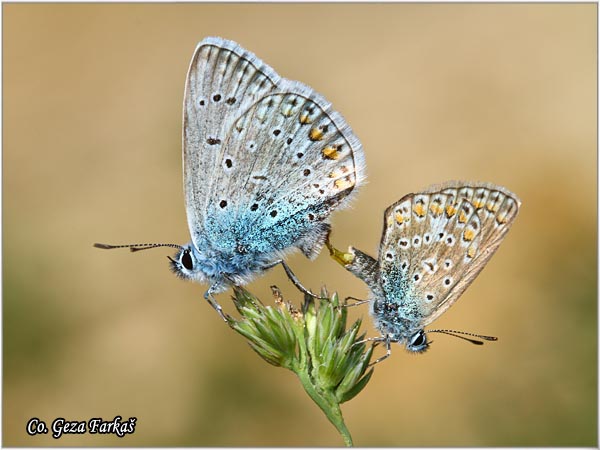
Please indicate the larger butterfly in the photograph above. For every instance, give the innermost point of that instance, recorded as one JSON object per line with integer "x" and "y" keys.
{"x": 434, "y": 244}
{"x": 265, "y": 162}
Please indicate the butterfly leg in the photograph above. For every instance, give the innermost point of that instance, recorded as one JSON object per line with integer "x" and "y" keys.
{"x": 388, "y": 350}
{"x": 293, "y": 278}
{"x": 357, "y": 301}
{"x": 208, "y": 296}
{"x": 376, "y": 341}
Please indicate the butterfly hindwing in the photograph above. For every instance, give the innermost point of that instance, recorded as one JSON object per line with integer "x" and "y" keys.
{"x": 306, "y": 161}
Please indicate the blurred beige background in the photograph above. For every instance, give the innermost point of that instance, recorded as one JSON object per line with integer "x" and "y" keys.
{"x": 92, "y": 128}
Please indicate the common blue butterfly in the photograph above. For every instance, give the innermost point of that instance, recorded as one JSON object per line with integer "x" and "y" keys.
{"x": 265, "y": 162}
{"x": 434, "y": 244}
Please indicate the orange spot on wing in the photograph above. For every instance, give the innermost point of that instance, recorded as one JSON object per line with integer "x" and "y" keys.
{"x": 450, "y": 211}
{"x": 419, "y": 209}
{"x": 435, "y": 209}
{"x": 468, "y": 235}
{"x": 471, "y": 251}
{"x": 492, "y": 207}
{"x": 501, "y": 218}
{"x": 304, "y": 118}
{"x": 343, "y": 183}
{"x": 315, "y": 134}
{"x": 331, "y": 152}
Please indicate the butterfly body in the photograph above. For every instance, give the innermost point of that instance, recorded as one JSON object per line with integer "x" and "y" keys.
{"x": 231, "y": 250}
{"x": 434, "y": 244}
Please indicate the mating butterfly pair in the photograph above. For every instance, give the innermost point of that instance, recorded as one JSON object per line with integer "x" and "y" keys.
{"x": 266, "y": 161}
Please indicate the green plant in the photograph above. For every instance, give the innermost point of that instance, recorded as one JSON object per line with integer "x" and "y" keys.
{"x": 330, "y": 360}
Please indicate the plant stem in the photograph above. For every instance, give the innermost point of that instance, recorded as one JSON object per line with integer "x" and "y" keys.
{"x": 329, "y": 406}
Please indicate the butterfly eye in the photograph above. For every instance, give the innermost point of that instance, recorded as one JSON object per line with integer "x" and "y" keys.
{"x": 186, "y": 260}
{"x": 418, "y": 339}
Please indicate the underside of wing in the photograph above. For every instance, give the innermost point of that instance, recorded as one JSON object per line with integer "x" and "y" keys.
{"x": 286, "y": 164}
{"x": 435, "y": 243}
{"x": 223, "y": 81}
{"x": 272, "y": 165}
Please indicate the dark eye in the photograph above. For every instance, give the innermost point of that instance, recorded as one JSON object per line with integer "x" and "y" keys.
{"x": 418, "y": 339}
{"x": 186, "y": 260}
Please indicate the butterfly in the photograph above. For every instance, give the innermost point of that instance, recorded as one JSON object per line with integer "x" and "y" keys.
{"x": 265, "y": 162}
{"x": 434, "y": 244}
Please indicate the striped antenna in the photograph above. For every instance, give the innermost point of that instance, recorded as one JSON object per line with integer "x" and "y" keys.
{"x": 464, "y": 333}
{"x": 137, "y": 247}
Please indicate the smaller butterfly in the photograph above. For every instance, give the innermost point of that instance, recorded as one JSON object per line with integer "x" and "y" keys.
{"x": 433, "y": 246}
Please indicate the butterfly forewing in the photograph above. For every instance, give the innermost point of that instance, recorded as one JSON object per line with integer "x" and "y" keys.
{"x": 436, "y": 242}
{"x": 223, "y": 81}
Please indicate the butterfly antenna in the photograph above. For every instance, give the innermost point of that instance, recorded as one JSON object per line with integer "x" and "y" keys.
{"x": 136, "y": 247}
{"x": 464, "y": 334}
